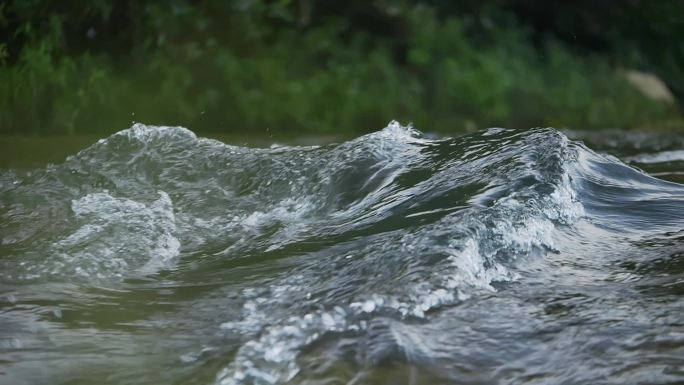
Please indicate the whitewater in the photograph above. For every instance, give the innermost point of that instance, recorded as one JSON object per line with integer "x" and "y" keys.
{"x": 498, "y": 257}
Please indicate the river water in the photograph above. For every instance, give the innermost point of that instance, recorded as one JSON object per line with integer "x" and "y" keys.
{"x": 500, "y": 257}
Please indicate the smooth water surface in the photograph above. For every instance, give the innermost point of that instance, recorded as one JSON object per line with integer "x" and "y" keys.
{"x": 504, "y": 256}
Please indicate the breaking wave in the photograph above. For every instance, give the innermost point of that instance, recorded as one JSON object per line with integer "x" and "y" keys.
{"x": 390, "y": 230}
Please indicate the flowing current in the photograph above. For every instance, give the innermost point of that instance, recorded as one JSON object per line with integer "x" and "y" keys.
{"x": 500, "y": 257}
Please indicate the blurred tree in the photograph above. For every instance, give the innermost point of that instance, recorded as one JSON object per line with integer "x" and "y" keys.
{"x": 325, "y": 66}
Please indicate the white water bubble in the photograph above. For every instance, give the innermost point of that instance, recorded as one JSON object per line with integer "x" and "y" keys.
{"x": 368, "y": 306}
{"x": 118, "y": 237}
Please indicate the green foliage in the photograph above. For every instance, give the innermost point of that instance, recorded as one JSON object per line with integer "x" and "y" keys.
{"x": 250, "y": 66}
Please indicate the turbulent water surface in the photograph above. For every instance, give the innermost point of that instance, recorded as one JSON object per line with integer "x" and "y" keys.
{"x": 504, "y": 256}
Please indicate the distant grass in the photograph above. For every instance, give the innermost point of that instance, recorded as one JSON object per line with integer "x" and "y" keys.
{"x": 256, "y": 78}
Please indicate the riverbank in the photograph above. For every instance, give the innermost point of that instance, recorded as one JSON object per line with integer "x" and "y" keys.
{"x": 262, "y": 69}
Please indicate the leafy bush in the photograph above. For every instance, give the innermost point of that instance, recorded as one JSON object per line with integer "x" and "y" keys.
{"x": 251, "y": 67}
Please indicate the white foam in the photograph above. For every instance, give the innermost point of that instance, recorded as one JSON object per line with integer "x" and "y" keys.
{"x": 118, "y": 237}
{"x": 145, "y": 133}
{"x": 659, "y": 157}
